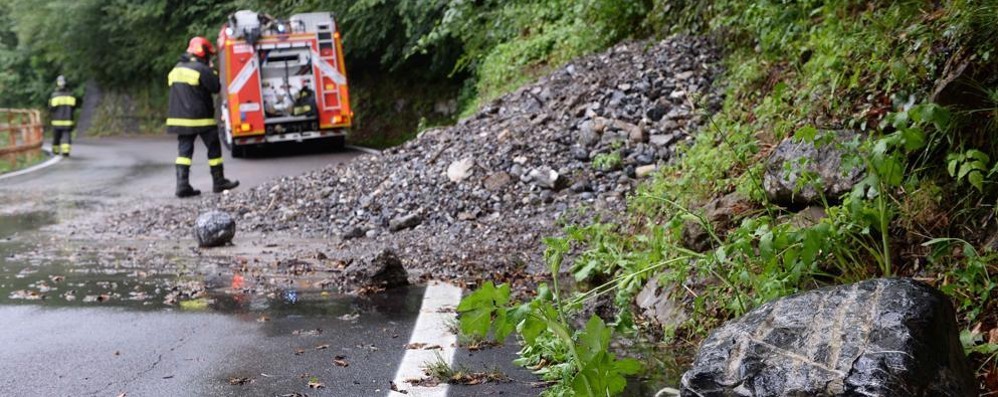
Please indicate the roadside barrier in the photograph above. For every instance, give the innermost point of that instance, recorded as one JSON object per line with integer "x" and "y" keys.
{"x": 21, "y": 130}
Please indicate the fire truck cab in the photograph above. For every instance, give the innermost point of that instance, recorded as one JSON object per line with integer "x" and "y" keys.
{"x": 282, "y": 80}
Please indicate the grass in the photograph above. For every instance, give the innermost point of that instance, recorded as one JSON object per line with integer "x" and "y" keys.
{"x": 20, "y": 161}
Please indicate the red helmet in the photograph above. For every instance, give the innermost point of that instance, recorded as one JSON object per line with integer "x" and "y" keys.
{"x": 200, "y": 47}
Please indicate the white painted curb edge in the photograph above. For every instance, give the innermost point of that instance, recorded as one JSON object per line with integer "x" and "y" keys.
{"x": 375, "y": 152}
{"x": 48, "y": 163}
{"x": 432, "y": 328}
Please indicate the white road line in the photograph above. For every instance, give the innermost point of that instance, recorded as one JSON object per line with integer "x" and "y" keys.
{"x": 46, "y": 164}
{"x": 432, "y": 328}
{"x": 367, "y": 150}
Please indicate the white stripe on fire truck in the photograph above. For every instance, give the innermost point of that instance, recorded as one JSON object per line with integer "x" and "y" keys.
{"x": 243, "y": 76}
{"x": 329, "y": 70}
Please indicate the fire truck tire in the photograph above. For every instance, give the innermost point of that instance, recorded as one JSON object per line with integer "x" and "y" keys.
{"x": 336, "y": 143}
{"x": 237, "y": 151}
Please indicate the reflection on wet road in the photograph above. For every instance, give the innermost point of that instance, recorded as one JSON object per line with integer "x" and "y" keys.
{"x": 76, "y": 320}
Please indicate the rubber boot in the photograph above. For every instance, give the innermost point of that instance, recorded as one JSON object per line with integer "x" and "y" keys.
{"x": 65, "y": 149}
{"x": 184, "y": 188}
{"x": 219, "y": 183}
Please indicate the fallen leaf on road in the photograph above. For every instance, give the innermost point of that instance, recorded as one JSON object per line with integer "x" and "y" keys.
{"x": 26, "y": 295}
{"x": 299, "y": 352}
{"x": 262, "y": 319}
{"x": 315, "y": 384}
{"x": 341, "y": 361}
{"x": 415, "y": 346}
{"x": 423, "y": 382}
{"x": 322, "y": 347}
{"x": 123, "y": 394}
{"x": 240, "y": 381}
{"x": 396, "y": 389}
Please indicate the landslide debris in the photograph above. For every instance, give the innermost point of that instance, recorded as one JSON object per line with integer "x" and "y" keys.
{"x": 484, "y": 192}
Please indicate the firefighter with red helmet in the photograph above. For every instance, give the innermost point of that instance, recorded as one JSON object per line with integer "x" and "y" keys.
{"x": 192, "y": 114}
{"x": 61, "y": 107}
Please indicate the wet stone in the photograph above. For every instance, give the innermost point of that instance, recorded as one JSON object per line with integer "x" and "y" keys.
{"x": 384, "y": 270}
{"x": 882, "y": 337}
{"x": 214, "y": 228}
{"x": 405, "y": 222}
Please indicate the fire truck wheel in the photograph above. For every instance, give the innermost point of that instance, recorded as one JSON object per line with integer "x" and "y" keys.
{"x": 336, "y": 143}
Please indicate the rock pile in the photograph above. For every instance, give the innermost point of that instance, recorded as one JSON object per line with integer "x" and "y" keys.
{"x": 578, "y": 138}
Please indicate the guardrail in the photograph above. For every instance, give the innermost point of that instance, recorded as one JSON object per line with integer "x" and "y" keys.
{"x": 20, "y": 130}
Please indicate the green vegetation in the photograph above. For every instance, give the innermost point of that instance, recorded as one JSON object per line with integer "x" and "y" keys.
{"x": 404, "y": 57}
{"x": 794, "y": 69}
{"x": 19, "y": 161}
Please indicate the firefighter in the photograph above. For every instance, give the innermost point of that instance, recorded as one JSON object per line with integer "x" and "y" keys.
{"x": 192, "y": 114}
{"x": 61, "y": 107}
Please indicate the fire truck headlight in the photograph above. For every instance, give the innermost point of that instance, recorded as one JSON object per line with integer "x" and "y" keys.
{"x": 337, "y": 119}
{"x": 229, "y": 32}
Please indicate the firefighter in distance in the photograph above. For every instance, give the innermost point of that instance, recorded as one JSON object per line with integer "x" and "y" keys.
{"x": 62, "y": 104}
{"x": 192, "y": 114}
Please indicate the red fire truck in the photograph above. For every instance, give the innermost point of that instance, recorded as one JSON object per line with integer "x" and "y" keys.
{"x": 282, "y": 80}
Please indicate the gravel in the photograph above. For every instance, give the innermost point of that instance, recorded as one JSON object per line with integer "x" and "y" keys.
{"x": 477, "y": 198}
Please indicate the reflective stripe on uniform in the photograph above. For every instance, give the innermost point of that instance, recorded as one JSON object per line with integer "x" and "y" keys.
{"x": 184, "y": 75}
{"x": 62, "y": 123}
{"x": 65, "y": 148}
{"x": 214, "y": 162}
{"x": 62, "y": 100}
{"x": 178, "y": 122}
{"x": 183, "y": 161}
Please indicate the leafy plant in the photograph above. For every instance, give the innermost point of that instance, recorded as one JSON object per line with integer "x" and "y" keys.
{"x": 607, "y": 161}
{"x": 970, "y": 166}
{"x": 589, "y": 369}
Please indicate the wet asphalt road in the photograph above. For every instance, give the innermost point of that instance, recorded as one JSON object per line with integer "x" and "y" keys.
{"x": 55, "y": 348}
{"x": 142, "y": 168}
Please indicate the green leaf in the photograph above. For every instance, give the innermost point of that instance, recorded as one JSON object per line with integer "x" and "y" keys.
{"x": 594, "y": 339}
{"x": 891, "y": 172}
{"x": 964, "y": 169}
{"x": 806, "y": 134}
{"x": 979, "y": 155}
{"x": 976, "y": 180}
{"x": 628, "y": 366}
{"x": 951, "y": 167}
{"x": 530, "y": 328}
{"x": 478, "y": 308}
{"x": 914, "y": 138}
{"x": 766, "y": 245}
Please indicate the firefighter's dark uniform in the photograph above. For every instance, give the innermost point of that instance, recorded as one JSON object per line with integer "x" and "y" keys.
{"x": 192, "y": 114}
{"x": 61, "y": 107}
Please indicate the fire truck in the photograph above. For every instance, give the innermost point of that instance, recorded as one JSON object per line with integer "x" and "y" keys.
{"x": 282, "y": 80}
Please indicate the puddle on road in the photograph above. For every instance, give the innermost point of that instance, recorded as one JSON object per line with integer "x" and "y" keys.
{"x": 13, "y": 224}
{"x": 69, "y": 275}
{"x": 663, "y": 369}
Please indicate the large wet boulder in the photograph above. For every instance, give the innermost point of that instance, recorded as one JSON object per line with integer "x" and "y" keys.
{"x": 883, "y": 337}
{"x": 799, "y": 173}
{"x": 214, "y": 228}
{"x": 382, "y": 271}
